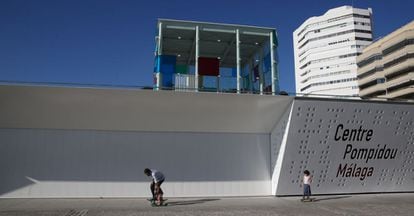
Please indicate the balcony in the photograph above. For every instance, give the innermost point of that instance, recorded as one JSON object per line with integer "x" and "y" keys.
{"x": 399, "y": 80}
{"x": 398, "y": 67}
{"x": 398, "y": 53}
{"x": 374, "y": 76}
{"x": 375, "y": 89}
{"x": 402, "y": 93}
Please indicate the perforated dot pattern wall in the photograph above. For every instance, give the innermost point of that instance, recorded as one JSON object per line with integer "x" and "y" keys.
{"x": 349, "y": 147}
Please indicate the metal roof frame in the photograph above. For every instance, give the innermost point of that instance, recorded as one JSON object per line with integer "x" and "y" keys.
{"x": 216, "y": 40}
{"x": 234, "y": 45}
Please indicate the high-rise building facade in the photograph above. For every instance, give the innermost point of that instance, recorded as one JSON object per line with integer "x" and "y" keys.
{"x": 386, "y": 67}
{"x": 325, "y": 50}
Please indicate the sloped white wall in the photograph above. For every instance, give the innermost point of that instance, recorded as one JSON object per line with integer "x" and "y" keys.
{"x": 317, "y": 142}
{"x": 278, "y": 139}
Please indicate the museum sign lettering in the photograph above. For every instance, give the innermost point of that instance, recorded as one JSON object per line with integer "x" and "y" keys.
{"x": 361, "y": 156}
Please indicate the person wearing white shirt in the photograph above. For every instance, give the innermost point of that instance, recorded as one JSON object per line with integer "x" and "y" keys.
{"x": 157, "y": 179}
{"x": 307, "y": 180}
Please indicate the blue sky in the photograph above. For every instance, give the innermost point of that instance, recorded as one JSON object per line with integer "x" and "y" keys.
{"x": 111, "y": 42}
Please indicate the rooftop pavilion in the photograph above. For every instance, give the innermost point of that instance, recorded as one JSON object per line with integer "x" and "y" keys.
{"x": 202, "y": 56}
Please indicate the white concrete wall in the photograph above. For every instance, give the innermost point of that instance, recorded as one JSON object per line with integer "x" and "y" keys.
{"x": 66, "y": 142}
{"x": 278, "y": 138}
{"x": 313, "y": 144}
{"x": 137, "y": 110}
{"x": 90, "y": 163}
{"x": 88, "y": 142}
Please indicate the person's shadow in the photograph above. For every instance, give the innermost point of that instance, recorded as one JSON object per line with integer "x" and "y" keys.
{"x": 330, "y": 198}
{"x": 190, "y": 202}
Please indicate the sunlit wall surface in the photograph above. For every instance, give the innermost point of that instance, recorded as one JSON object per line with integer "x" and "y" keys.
{"x": 96, "y": 142}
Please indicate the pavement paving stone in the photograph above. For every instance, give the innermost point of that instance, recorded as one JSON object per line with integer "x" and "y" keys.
{"x": 368, "y": 204}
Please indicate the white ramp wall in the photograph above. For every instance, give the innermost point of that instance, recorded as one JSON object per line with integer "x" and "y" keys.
{"x": 278, "y": 139}
{"x": 349, "y": 147}
{"x": 87, "y": 163}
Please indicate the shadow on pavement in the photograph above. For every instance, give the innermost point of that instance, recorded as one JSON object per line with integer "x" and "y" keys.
{"x": 331, "y": 198}
{"x": 190, "y": 202}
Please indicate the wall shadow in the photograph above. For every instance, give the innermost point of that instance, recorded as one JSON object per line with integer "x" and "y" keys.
{"x": 190, "y": 202}
{"x": 331, "y": 198}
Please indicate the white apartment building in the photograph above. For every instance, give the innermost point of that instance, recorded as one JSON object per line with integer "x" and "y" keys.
{"x": 325, "y": 49}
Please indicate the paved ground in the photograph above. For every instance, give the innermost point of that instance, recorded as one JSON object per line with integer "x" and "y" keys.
{"x": 384, "y": 204}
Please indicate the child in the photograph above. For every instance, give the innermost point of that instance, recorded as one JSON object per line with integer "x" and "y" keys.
{"x": 307, "y": 180}
{"x": 157, "y": 179}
